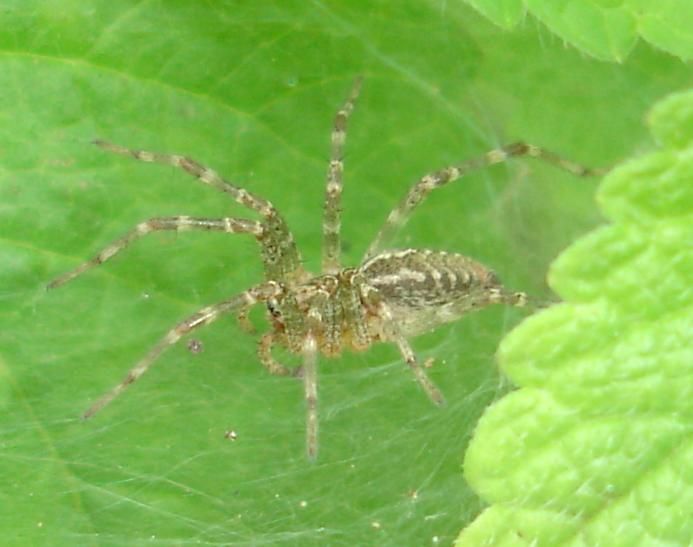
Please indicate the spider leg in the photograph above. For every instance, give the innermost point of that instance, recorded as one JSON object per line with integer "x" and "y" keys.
{"x": 509, "y": 298}
{"x": 264, "y": 351}
{"x": 310, "y": 389}
{"x": 179, "y": 223}
{"x": 200, "y": 172}
{"x": 426, "y": 184}
{"x": 434, "y": 394}
{"x": 203, "y": 317}
{"x": 394, "y": 334}
{"x": 333, "y": 193}
{"x": 280, "y": 255}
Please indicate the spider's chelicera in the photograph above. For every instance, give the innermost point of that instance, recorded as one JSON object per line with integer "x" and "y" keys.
{"x": 392, "y": 296}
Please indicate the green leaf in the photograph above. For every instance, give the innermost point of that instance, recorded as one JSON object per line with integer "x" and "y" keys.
{"x": 506, "y": 13}
{"x": 605, "y": 29}
{"x": 251, "y": 89}
{"x": 598, "y": 438}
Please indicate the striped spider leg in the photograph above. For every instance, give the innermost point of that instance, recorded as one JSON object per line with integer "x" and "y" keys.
{"x": 201, "y": 318}
{"x": 437, "y": 179}
{"x": 177, "y": 223}
{"x": 331, "y": 226}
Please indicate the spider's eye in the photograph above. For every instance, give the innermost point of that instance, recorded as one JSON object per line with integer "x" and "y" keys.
{"x": 273, "y": 308}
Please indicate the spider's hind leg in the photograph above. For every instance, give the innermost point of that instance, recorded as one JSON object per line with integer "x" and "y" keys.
{"x": 431, "y": 390}
{"x": 393, "y": 334}
{"x": 426, "y": 184}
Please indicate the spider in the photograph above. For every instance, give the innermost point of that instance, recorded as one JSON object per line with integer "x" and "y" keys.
{"x": 392, "y": 296}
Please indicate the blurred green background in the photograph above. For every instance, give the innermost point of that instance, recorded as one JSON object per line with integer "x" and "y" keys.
{"x": 251, "y": 90}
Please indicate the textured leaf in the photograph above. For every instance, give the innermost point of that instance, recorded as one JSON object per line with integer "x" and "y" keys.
{"x": 598, "y": 438}
{"x": 250, "y": 88}
{"x": 605, "y": 29}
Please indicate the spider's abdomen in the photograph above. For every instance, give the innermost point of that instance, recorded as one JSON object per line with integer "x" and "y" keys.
{"x": 426, "y": 288}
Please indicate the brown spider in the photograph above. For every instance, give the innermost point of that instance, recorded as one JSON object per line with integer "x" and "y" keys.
{"x": 391, "y": 296}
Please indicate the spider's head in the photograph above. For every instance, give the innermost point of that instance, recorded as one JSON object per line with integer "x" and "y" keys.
{"x": 274, "y": 308}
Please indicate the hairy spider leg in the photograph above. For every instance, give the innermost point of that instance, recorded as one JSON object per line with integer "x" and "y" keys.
{"x": 331, "y": 250}
{"x": 203, "y": 317}
{"x": 310, "y": 390}
{"x": 426, "y": 184}
{"x": 178, "y": 223}
{"x": 431, "y": 390}
{"x": 280, "y": 256}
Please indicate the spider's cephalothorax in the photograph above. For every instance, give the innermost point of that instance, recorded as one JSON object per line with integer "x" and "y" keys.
{"x": 392, "y": 296}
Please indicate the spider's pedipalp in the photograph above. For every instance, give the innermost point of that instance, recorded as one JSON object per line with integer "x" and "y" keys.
{"x": 199, "y": 319}
{"x": 280, "y": 255}
{"x": 426, "y": 184}
{"x": 331, "y": 251}
{"x": 264, "y": 351}
{"x": 178, "y": 223}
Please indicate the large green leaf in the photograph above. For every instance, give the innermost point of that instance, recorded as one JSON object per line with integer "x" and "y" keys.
{"x": 598, "y": 438}
{"x": 250, "y": 89}
{"x": 606, "y": 29}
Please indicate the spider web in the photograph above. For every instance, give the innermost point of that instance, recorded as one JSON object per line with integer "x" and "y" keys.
{"x": 155, "y": 466}
{"x": 160, "y": 450}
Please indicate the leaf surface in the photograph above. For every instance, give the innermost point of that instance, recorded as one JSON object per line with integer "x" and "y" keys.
{"x": 604, "y": 29}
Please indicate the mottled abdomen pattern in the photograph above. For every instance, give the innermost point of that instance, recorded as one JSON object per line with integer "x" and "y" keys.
{"x": 426, "y": 288}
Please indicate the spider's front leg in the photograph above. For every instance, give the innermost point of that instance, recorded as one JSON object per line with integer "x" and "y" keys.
{"x": 434, "y": 394}
{"x": 280, "y": 256}
{"x": 205, "y": 316}
{"x": 331, "y": 226}
{"x": 179, "y": 223}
